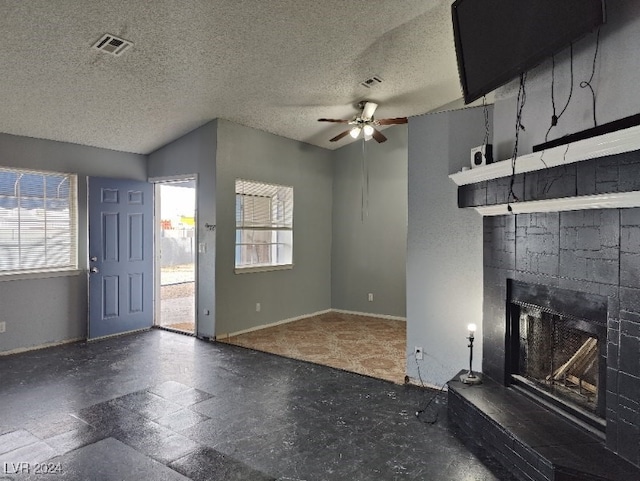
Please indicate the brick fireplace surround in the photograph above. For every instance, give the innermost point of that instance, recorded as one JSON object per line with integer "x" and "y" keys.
{"x": 594, "y": 251}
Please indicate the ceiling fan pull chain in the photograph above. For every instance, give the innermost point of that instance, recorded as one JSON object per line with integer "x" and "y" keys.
{"x": 364, "y": 188}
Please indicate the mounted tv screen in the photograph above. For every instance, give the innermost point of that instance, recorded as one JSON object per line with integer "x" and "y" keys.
{"x": 497, "y": 40}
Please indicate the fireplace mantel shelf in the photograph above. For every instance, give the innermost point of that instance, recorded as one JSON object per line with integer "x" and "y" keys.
{"x": 626, "y": 140}
{"x": 618, "y": 200}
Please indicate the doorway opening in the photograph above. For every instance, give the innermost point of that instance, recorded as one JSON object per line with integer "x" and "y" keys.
{"x": 176, "y": 248}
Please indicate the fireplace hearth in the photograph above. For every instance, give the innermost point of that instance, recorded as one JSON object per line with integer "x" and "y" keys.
{"x": 558, "y": 347}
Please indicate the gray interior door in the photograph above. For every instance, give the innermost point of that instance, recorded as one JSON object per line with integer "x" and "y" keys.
{"x": 120, "y": 256}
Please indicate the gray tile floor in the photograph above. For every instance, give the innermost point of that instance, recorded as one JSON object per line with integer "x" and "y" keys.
{"x": 161, "y": 406}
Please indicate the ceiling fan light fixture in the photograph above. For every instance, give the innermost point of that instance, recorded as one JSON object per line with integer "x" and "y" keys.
{"x": 365, "y": 123}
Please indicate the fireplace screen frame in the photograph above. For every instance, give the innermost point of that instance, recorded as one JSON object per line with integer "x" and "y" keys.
{"x": 587, "y": 312}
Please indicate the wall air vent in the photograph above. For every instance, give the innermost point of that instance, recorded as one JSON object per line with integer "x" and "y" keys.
{"x": 371, "y": 81}
{"x": 111, "y": 44}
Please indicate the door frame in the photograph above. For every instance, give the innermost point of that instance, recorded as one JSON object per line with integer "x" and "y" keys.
{"x": 157, "y": 181}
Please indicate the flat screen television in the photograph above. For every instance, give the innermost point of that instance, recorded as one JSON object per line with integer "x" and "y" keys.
{"x": 497, "y": 40}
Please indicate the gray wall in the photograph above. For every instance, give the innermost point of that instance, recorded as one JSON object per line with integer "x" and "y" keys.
{"x": 444, "y": 246}
{"x": 369, "y": 252}
{"x": 54, "y": 309}
{"x": 615, "y": 83}
{"x": 255, "y": 155}
{"x": 195, "y": 153}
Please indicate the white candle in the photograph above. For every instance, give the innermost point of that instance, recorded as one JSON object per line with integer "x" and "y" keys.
{"x": 472, "y": 329}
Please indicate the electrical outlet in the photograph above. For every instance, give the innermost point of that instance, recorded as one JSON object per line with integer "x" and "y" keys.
{"x": 3, "y": 327}
{"x": 418, "y": 353}
{"x": 370, "y": 297}
{"x": 257, "y": 307}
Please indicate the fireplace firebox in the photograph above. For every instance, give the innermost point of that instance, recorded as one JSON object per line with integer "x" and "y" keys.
{"x": 556, "y": 347}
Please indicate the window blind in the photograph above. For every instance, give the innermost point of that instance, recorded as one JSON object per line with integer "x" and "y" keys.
{"x": 264, "y": 225}
{"x": 38, "y": 221}
{"x": 264, "y": 206}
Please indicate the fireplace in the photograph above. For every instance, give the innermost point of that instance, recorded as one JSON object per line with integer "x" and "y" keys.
{"x": 557, "y": 347}
{"x": 548, "y": 404}
{"x": 581, "y": 236}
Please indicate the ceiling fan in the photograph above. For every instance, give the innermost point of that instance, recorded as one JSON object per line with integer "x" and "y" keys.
{"x": 365, "y": 123}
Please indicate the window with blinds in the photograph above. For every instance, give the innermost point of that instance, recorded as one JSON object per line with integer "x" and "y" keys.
{"x": 38, "y": 221}
{"x": 264, "y": 225}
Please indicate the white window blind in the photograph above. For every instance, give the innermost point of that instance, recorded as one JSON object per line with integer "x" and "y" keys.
{"x": 264, "y": 225}
{"x": 38, "y": 221}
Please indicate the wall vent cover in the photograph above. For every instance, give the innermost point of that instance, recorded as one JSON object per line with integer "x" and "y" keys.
{"x": 371, "y": 81}
{"x": 111, "y": 44}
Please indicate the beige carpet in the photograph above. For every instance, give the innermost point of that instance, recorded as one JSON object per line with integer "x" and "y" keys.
{"x": 366, "y": 345}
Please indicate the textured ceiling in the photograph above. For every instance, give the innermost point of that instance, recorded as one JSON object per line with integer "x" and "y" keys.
{"x": 275, "y": 65}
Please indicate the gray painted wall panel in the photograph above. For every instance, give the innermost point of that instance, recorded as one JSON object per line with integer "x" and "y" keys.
{"x": 369, "y": 251}
{"x": 444, "y": 246}
{"x": 54, "y": 309}
{"x": 255, "y": 155}
{"x": 615, "y": 83}
{"x": 195, "y": 153}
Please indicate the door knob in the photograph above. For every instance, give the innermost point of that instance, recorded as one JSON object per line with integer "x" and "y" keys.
{"x": 93, "y": 258}
{"x": 93, "y": 269}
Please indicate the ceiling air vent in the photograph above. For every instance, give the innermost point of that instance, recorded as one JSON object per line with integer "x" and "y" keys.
{"x": 112, "y": 44}
{"x": 372, "y": 81}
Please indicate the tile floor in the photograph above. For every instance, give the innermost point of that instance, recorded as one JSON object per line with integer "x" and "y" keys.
{"x": 366, "y": 345}
{"x": 161, "y": 406}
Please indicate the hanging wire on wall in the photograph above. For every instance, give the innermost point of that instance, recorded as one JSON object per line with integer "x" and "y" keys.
{"x": 485, "y": 110}
{"x": 587, "y": 83}
{"x": 522, "y": 98}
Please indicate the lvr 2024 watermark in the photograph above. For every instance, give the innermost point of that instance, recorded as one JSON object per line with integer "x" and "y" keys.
{"x": 32, "y": 468}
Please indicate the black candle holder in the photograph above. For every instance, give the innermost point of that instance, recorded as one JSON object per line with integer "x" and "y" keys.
{"x": 471, "y": 377}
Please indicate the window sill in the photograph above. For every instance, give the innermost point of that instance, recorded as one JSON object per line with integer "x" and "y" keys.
{"x": 39, "y": 275}
{"x": 247, "y": 270}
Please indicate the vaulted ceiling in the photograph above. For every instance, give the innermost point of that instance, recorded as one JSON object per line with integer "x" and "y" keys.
{"x": 275, "y": 65}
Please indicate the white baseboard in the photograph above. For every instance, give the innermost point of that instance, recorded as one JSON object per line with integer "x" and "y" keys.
{"x": 305, "y": 316}
{"x": 66, "y": 341}
{"x": 41, "y": 346}
{"x": 369, "y": 314}
{"x": 119, "y": 334}
{"x": 271, "y": 324}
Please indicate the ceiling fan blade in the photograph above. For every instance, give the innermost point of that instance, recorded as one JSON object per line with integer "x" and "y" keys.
{"x": 396, "y": 121}
{"x": 340, "y": 121}
{"x": 340, "y": 136}
{"x": 368, "y": 110}
{"x": 379, "y": 136}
